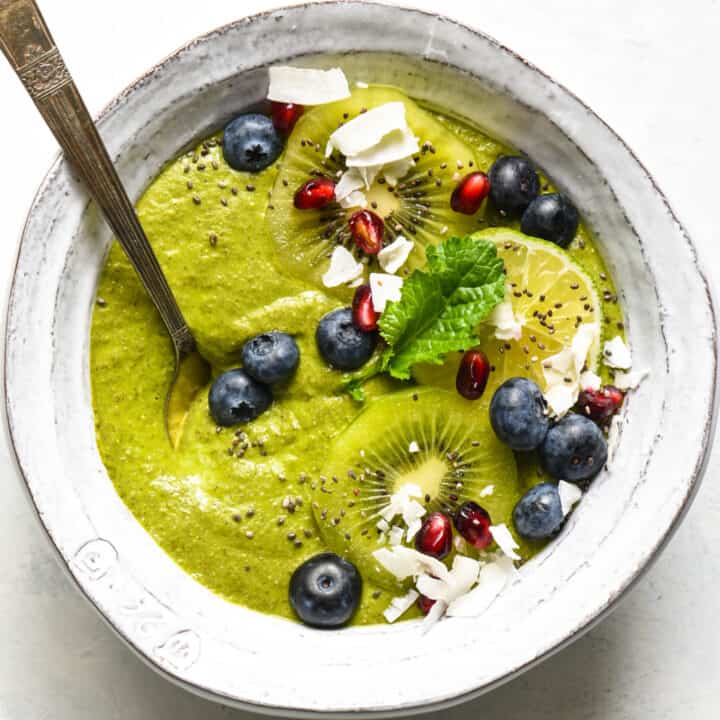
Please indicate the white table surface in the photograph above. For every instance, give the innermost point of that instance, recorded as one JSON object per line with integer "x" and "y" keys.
{"x": 648, "y": 67}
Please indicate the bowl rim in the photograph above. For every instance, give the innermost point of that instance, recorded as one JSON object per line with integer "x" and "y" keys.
{"x": 700, "y": 466}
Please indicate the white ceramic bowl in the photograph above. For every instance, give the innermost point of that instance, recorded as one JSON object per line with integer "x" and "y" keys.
{"x": 260, "y": 662}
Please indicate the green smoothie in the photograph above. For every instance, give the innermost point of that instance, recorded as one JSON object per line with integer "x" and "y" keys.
{"x": 233, "y": 506}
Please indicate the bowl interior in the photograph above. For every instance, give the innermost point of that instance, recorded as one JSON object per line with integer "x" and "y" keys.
{"x": 224, "y": 650}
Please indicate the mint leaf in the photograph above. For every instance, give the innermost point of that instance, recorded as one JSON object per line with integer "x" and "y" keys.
{"x": 441, "y": 306}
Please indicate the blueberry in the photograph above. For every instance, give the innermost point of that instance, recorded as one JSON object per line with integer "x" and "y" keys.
{"x": 236, "y": 398}
{"x": 538, "y": 514}
{"x": 251, "y": 142}
{"x": 514, "y": 184}
{"x": 325, "y": 591}
{"x": 574, "y": 449}
{"x": 341, "y": 344}
{"x": 518, "y": 414}
{"x": 270, "y": 357}
{"x": 551, "y": 217}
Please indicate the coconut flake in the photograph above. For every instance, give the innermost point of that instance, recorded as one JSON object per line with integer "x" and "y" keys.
{"x": 400, "y": 605}
{"x": 355, "y": 199}
{"x": 505, "y": 541}
{"x": 395, "y": 535}
{"x": 343, "y": 268}
{"x": 368, "y": 174}
{"x": 617, "y": 354}
{"x": 487, "y": 490}
{"x": 395, "y": 146}
{"x": 404, "y": 562}
{"x": 507, "y": 326}
{"x": 394, "y": 172}
{"x": 384, "y": 288}
{"x": 413, "y": 529}
{"x": 400, "y": 499}
{"x": 560, "y": 398}
{"x": 563, "y": 371}
{"x": 413, "y": 447}
{"x": 590, "y": 381}
{"x": 629, "y": 380}
{"x": 569, "y": 496}
{"x": 305, "y": 86}
{"x": 394, "y": 256}
{"x": 494, "y": 577}
{"x": 457, "y": 581}
{"x": 435, "y": 613}
{"x": 362, "y": 85}
{"x": 349, "y": 181}
{"x": 368, "y": 129}
{"x": 383, "y": 525}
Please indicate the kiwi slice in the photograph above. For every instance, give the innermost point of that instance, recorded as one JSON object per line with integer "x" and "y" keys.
{"x": 457, "y": 456}
{"x": 417, "y": 208}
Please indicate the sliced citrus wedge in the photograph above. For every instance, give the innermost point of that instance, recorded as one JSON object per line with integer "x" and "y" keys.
{"x": 550, "y": 297}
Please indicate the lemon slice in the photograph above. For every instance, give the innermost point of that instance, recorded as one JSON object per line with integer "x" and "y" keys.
{"x": 550, "y": 296}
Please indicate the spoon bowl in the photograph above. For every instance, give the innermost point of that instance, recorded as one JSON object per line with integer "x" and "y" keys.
{"x": 26, "y": 42}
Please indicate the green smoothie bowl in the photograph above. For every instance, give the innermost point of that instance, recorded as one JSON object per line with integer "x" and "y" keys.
{"x": 452, "y": 324}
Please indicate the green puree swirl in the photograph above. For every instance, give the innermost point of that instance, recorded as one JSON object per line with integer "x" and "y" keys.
{"x": 213, "y": 505}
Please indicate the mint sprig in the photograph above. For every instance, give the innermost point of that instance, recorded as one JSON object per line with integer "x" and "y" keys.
{"x": 439, "y": 309}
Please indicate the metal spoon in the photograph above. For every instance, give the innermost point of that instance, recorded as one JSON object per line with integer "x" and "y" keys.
{"x": 28, "y": 45}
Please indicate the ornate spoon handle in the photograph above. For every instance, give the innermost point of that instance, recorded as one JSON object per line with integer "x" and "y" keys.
{"x": 28, "y": 45}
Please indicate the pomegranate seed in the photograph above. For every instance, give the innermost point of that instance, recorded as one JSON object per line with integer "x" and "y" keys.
{"x": 435, "y": 536}
{"x": 285, "y": 115}
{"x": 367, "y": 230}
{"x": 363, "y": 313}
{"x": 600, "y": 405}
{"x": 473, "y": 523}
{"x": 470, "y": 192}
{"x": 425, "y": 603}
{"x": 315, "y": 194}
{"x": 472, "y": 375}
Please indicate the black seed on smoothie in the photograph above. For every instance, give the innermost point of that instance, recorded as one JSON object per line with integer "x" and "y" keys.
{"x": 236, "y": 517}
{"x": 201, "y": 166}
{"x": 215, "y": 165}
{"x": 213, "y": 238}
{"x": 234, "y": 190}
{"x": 223, "y": 202}
{"x": 376, "y": 595}
{"x": 196, "y": 199}
{"x": 101, "y": 302}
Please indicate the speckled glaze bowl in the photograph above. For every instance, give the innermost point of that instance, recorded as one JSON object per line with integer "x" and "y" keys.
{"x": 266, "y": 664}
